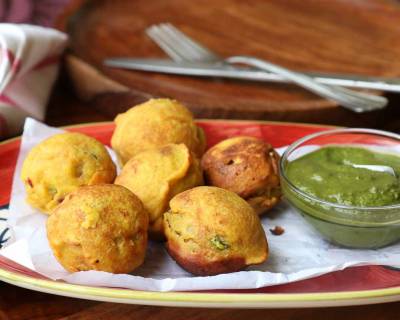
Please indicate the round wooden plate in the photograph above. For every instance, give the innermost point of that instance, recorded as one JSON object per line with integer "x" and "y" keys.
{"x": 359, "y": 285}
{"x": 335, "y": 36}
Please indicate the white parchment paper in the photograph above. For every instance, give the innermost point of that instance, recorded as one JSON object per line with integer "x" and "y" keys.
{"x": 299, "y": 253}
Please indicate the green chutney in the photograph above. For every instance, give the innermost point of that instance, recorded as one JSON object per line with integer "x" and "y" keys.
{"x": 328, "y": 174}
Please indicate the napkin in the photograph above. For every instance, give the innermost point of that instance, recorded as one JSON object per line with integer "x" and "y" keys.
{"x": 28, "y": 68}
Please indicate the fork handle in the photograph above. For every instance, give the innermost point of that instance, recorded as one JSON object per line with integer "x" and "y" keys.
{"x": 357, "y": 102}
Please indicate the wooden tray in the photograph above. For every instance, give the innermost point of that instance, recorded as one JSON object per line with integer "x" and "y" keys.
{"x": 358, "y": 37}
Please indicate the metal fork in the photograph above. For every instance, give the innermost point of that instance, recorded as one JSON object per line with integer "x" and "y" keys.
{"x": 181, "y": 47}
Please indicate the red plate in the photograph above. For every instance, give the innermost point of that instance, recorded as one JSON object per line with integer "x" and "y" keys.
{"x": 278, "y": 134}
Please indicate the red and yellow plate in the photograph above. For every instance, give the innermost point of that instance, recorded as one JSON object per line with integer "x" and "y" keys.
{"x": 358, "y": 285}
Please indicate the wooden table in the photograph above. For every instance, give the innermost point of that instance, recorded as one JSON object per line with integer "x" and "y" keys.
{"x": 332, "y": 36}
{"x": 18, "y": 303}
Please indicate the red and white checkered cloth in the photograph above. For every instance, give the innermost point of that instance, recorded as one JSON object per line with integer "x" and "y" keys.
{"x": 29, "y": 58}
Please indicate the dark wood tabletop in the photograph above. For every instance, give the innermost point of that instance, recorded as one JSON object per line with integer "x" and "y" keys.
{"x": 65, "y": 109}
{"x": 17, "y": 303}
{"x": 333, "y": 36}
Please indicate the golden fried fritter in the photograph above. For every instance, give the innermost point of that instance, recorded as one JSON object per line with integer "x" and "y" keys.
{"x": 155, "y": 123}
{"x": 101, "y": 227}
{"x": 211, "y": 230}
{"x": 62, "y": 163}
{"x": 247, "y": 166}
{"x": 156, "y": 175}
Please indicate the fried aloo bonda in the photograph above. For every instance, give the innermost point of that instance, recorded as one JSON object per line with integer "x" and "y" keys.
{"x": 158, "y": 174}
{"x": 62, "y": 163}
{"x": 247, "y": 166}
{"x": 210, "y": 230}
{"x": 100, "y": 227}
{"x": 156, "y": 123}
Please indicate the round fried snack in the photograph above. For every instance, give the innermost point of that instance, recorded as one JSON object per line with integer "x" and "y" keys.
{"x": 247, "y": 166}
{"x": 101, "y": 227}
{"x": 155, "y": 123}
{"x": 210, "y": 230}
{"x": 62, "y": 163}
{"x": 157, "y": 175}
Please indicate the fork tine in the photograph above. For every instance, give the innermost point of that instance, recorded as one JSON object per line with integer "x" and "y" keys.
{"x": 181, "y": 45}
{"x": 153, "y": 33}
{"x": 194, "y": 45}
{"x": 178, "y": 45}
{"x": 173, "y": 45}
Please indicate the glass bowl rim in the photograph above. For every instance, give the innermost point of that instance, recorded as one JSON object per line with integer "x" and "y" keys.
{"x": 298, "y": 142}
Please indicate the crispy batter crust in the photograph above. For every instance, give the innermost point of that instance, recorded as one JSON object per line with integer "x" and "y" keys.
{"x": 198, "y": 265}
{"x": 156, "y": 123}
{"x": 60, "y": 164}
{"x": 156, "y": 176}
{"x": 101, "y": 227}
{"x": 210, "y": 230}
{"x": 247, "y": 166}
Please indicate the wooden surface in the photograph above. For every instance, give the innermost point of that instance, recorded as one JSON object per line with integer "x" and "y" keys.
{"x": 335, "y": 36}
{"x": 65, "y": 108}
{"x": 17, "y": 303}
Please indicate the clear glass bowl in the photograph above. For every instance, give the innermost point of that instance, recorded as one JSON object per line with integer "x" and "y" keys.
{"x": 350, "y": 226}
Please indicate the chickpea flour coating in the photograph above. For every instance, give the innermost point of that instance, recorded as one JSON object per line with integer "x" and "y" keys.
{"x": 62, "y": 163}
{"x": 247, "y": 166}
{"x": 157, "y": 175}
{"x": 101, "y": 227}
{"x": 156, "y": 123}
{"x": 211, "y": 230}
